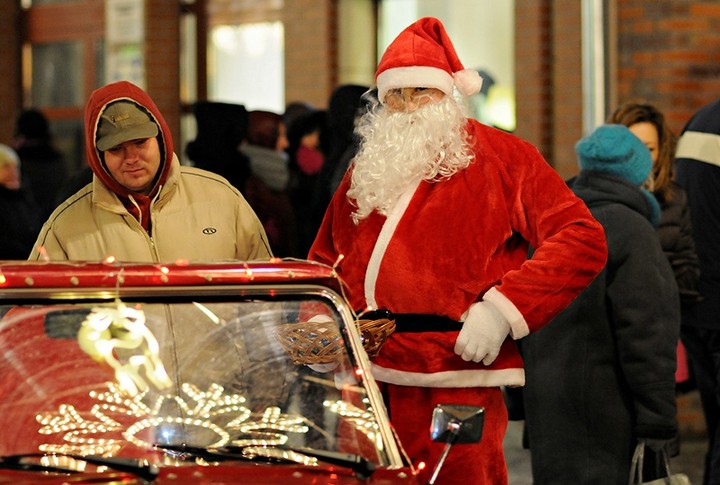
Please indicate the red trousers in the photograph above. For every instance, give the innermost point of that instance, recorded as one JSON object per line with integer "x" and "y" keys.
{"x": 411, "y": 411}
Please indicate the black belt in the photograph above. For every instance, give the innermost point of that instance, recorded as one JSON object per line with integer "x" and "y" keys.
{"x": 415, "y": 322}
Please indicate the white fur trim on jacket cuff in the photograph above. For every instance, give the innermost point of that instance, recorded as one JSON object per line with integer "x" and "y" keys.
{"x": 518, "y": 326}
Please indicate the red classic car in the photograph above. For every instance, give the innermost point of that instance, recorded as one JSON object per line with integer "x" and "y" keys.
{"x": 194, "y": 373}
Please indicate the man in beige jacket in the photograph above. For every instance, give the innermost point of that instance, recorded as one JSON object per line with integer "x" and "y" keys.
{"x": 142, "y": 205}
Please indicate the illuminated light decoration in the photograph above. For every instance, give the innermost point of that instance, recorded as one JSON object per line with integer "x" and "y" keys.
{"x": 209, "y": 313}
{"x": 363, "y": 420}
{"x": 110, "y": 260}
{"x": 79, "y": 431}
{"x": 65, "y": 462}
{"x": 74, "y": 281}
{"x": 207, "y": 405}
{"x": 120, "y": 327}
{"x": 249, "y": 272}
{"x": 3, "y": 280}
{"x": 164, "y": 276}
{"x": 273, "y": 420}
{"x": 29, "y": 281}
{"x": 143, "y": 424}
{"x": 91, "y": 434}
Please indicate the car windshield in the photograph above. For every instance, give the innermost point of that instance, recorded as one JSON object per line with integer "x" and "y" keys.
{"x": 136, "y": 376}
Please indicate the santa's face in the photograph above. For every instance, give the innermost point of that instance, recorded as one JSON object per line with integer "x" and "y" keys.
{"x": 399, "y": 148}
{"x": 410, "y": 99}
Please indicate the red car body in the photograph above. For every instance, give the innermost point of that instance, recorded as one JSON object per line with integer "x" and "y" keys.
{"x": 187, "y": 373}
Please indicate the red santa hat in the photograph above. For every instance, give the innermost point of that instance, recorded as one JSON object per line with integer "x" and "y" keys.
{"x": 422, "y": 55}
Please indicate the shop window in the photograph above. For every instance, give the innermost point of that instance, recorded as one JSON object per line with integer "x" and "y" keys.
{"x": 246, "y": 65}
{"x": 57, "y": 74}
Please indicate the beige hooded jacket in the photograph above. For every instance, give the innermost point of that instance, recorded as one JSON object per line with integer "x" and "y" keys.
{"x": 194, "y": 215}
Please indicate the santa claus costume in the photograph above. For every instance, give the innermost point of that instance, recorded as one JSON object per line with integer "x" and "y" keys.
{"x": 446, "y": 253}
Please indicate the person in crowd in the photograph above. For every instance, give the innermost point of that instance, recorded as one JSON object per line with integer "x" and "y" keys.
{"x": 142, "y": 205}
{"x": 697, "y": 165}
{"x": 306, "y": 152}
{"x": 344, "y": 108}
{"x": 675, "y": 228}
{"x": 221, "y": 130}
{"x": 19, "y": 213}
{"x": 267, "y": 187}
{"x": 432, "y": 226}
{"x": 296, "y": 109}
{"x": 44, "y": 168}
{"x": 601, "y": 375}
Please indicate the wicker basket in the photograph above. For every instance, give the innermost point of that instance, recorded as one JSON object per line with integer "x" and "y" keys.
{"x": 320, "y": 343}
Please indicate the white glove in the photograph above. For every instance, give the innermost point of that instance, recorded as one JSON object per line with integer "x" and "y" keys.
{"x": 482, "y": 334}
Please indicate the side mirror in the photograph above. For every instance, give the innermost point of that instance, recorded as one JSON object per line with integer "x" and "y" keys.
{"x": 455, "y": 424}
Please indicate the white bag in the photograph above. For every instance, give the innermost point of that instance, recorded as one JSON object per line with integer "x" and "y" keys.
{"x": 636, "y": 468}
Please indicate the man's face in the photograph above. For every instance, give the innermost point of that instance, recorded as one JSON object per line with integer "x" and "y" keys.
{"x": 134, "y": 164}
{"x": 410, "y": 99}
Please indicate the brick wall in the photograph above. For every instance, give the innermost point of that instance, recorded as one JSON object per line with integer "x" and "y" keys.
{"x": 669, "y": 54}
{"x": 548, "y": 79}
{"x": 533, "y": 80}
{"x": 10, "y": 88}
{"x": 310, "y": 50}
{"x": 566, "y": 85}
{"x": 162, "y": 61}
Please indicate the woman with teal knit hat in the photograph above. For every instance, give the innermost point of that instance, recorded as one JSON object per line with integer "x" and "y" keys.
{"x": 601, "y": 375}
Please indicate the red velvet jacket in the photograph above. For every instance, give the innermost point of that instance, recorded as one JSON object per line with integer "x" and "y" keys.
{"x": 449, "y": 244}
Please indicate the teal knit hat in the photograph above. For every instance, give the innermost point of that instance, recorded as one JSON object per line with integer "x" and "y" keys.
{"x": 614, "y": 149}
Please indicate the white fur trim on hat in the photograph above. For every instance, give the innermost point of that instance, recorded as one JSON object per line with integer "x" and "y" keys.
{"x": 468, "y": 81}
{"x": 413, "y": 77}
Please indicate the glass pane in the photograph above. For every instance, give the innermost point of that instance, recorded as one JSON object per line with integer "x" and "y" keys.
{"x": 69, "y": 139}
{"x": 120, "y": 377}
{"x": 57, "y": 74}
{"x": 246, "y": 65}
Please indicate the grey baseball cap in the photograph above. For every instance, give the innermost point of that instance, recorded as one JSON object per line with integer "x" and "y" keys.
{"x": 123, "y": 121}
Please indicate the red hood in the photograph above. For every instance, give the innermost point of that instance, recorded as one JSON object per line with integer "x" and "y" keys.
{"x": 97, "y": 103}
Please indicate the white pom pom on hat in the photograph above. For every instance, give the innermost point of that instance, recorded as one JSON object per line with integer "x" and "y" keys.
{"x": 423, "y": 55}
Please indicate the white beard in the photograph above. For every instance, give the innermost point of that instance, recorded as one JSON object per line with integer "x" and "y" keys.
{"x": 399, "y": 148}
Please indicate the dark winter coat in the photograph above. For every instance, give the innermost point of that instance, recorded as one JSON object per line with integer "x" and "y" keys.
{"x": 602, "y": 373}
{"x": 698, "y": 172}
{"x": 19, "y": 223}
{"x": 676, "y": 239}
{"x": 43, "y": 171}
